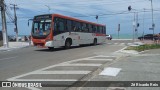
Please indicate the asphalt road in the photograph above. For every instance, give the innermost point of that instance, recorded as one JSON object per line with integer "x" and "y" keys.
{"x": 21, "y": 61}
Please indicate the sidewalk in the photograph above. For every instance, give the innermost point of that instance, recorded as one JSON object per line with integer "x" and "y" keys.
{"x": 14, "y": 45}
{"x": 140, "y": 67}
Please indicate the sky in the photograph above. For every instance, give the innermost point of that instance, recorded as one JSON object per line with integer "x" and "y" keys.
{"x": 110, "y": 12}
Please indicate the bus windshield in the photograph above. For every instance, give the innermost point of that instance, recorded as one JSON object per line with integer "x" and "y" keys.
{"x": 41, "y": 27}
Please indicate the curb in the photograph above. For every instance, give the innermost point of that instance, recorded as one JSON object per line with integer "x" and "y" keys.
{"x": 133, "y": 52}
{"x": 13, "y": 48}
{"x": 93, "y": 74}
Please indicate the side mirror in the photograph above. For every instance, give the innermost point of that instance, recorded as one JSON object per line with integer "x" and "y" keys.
{"x": 28, "y": 21}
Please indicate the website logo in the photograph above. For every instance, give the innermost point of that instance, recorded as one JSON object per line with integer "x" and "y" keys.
{"x": 6, "y": 84}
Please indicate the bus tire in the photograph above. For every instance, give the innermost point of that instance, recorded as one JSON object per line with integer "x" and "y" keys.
{"x": 51, "y": 48}
{"x": 68, "y": 43}
{"x": 95, "y": 41}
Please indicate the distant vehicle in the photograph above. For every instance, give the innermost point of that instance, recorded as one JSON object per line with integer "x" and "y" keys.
{"x": 24, "y": 38}
{"x": 11, "y": 38}
{"x": 147, "y": 37}
{"x": 109, "y": 37}
{"x": 54, "y": 30}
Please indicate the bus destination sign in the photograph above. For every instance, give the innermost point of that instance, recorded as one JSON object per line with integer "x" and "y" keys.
{"x": 43, "y": 17}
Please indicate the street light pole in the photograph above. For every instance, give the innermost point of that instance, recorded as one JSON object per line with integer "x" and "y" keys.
{"x": 137, "y": 25}
{"x": 134, "y": 26}
{"x": 135, "y": 22}
{"x": 48, "y": 8}
{"x": 4, "y": 26}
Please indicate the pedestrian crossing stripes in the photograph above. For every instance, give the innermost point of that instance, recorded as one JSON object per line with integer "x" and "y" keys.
{"x": 63, "y": 74}
{"x": 119, "y": 44}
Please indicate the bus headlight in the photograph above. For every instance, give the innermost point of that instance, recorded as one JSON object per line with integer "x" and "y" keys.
{"x": 49, "y": 44}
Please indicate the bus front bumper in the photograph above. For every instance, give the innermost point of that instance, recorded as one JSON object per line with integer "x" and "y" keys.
{"x": 49, "y": 44}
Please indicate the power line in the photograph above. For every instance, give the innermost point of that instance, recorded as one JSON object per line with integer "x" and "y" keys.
{"x": 118, "y": 13}
{"x": 86, "y": 3}
{"x": 9, "y": 14}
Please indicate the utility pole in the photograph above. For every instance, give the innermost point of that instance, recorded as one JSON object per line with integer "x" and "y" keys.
{"x": 137, "y": 25}
{"x": 153, "y": 25}
{"x": 119, "y": 27}
{"x": 15, "y": 21}
{"x": 4, "y": 26}
{"x": 143, "y": 22}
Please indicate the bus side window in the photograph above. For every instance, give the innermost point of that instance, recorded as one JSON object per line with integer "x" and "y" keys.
{"x": 83, "y": 27}
{"x": 56, "y": 24}
{"x": 73, "y": 26}
{"x": 94, "y": 29}
{"x": 90, "y": 28}
{"x": 87, "y": 28}
{"x": 104, "y": 28}
{"x": 98, "y": 29}
{"x": 78, "y": 26}
{"x": 65, "y": 25}
{"x": 69, "y": 25}
{"x": 61, "y": 25}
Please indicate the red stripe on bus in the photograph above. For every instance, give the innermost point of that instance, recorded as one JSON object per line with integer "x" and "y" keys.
{"x": 97, "y": 34}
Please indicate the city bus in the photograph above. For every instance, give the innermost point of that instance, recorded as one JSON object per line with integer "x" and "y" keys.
{"x": 55, "y": 30}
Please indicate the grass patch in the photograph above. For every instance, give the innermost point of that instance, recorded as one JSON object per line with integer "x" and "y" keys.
{"x": 144, "y": 47}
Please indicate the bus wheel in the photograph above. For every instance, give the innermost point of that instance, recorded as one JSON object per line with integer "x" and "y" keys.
{"x": 67, "y": 44}
{"x": 95, "y": 42}
{"x": 51, "y": 48}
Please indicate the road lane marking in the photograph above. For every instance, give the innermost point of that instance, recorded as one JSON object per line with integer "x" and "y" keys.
{"x": 33, "y": 88}
{"x": 122, "y": 43}
{"x": 62, "y": 72}
{"x": 75, "y": 64}
{"x": 98, "y": 60}
{"x": 148, "y": 55}
{"x": 110, "y": 71}
{"x": 8, "y": 58}
{"x": 104, "y": 56}
{"x": 120, "y": 50}
{"x": 68, "y": 63}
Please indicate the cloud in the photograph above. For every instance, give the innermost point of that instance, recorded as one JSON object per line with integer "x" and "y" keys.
{"x": 90, "y": 8}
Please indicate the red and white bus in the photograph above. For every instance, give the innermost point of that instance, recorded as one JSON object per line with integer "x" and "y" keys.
{"x": 54, "y": 30}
